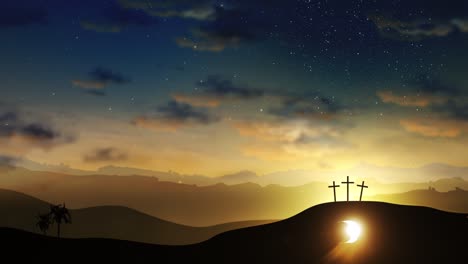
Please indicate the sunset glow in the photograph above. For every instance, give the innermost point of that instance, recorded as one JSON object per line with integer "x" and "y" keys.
{"x": 352, "y": 230}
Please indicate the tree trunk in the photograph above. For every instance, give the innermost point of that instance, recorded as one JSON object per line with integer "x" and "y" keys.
{"x": 58, "y": 230}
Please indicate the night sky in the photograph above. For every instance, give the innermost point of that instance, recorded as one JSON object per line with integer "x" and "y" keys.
{"x": 213, "y": 87}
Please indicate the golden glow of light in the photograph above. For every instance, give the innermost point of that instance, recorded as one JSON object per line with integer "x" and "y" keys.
{"x": 353, "y": 230}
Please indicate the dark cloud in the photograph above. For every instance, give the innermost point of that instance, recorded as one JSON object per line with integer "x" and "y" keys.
{"x": 107, "y": 76}
{"x": 413, "y": 30}
{"x": 16, "y": 130}
{"x": 105, "y": 155}
{"x": 311, "y": 106}
{"x": 229, "y": 28}
{"x": 95, "y": 92}
{"x": 198, "y": 10}
{"x": 98, "y": 79}
{"x": 116, "y": 18}
{"x": 417, "y": 20}
{"x": 215, "y": 89}
{"x": 219, "y": 87}
{"x": 176, "y": 115}
{"x": 453, "y": 109}
{"x": 184, "y": 112}
{"x": 38, "y": 132}
{"x": 428, "y": 19}
{"x": 8, "y": 117}
{"x": 430, "y": 85}
{"x": 15, "y": 15}
{"x": 7, "y": 161}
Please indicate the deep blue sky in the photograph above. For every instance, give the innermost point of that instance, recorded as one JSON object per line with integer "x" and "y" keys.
{"x": 218, "y": 86}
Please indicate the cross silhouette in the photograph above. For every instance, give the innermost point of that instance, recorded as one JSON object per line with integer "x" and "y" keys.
{"x": 334, "y": 186}
{"x": 362, "y": 188}
{"x": 347, "y": 182}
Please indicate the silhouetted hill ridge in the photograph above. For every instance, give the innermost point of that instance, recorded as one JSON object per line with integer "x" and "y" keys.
{"x": 391, "y": 234}
{"x": 20, "y": 211}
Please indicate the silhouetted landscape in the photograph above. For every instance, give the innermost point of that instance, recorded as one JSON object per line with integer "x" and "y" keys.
{"x": 19, "y": 211}
{"x": 109, "y": 230}
{"x": 234, "y": 131}
{"x": 393, "y": 234}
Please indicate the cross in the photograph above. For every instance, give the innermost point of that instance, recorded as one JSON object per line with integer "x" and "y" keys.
{"x": 334, "y": 186}
{"x": 362, "y": 188}
{"x": 347, "y": 182}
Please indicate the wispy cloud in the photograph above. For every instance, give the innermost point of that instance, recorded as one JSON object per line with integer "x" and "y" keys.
{"x": 214, "y": 89}
{"x": 100, "y": 78}
{"x": 176, "y": 115}
{"x": 434, "y": 127}
{"x": 229, "y": 28}
{"x": 115, "y": 18}
{"x": 420, "y": 100}
{"x": 19, "y": 134}
{"x": 423, "y": 91}
{"x": 308, "y": 106}
{"x": 418, "y": 29}
{"x": 461, "y": 23}
{"x": 198, "y": 10}
{"x": 454, "y": 109}
{"x": 109, "y": 154}
{"x": 285, "y": 140}
{"x": 7, "y": 161}
{"x": 444, "y": 102}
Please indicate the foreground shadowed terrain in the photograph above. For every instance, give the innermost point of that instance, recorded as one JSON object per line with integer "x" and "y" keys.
{"x": 391, "y": 234}
{"x": 117, "y": 222}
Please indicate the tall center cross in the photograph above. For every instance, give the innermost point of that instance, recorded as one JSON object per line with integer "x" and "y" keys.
{"x": 347, "y": 182}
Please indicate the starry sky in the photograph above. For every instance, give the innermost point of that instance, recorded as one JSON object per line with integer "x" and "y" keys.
{"x": 213, "y": 87}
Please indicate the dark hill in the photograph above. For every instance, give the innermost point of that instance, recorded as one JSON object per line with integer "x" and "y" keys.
{"x": 19, "y": 211}
{"x": 392, "y": 234}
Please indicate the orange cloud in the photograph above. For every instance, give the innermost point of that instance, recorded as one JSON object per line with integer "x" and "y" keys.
{"x": 210, "y": 40}
{"x": 108, "y": 27}
{"x": 89, "y": 84}
{"x": 420, "y": 100}
{"x": 434, "y": 127}
{"x": 201, "y": 45}
{"x": 268, "y": 152}
{"x": 158, "y": 125}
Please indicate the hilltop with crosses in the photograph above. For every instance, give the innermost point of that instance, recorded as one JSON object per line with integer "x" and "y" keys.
{"x": 347, "y": 182}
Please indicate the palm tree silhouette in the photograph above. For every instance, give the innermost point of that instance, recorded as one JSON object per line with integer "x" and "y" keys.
{"x": 43, "y": 222}
{"x": 59, "y": 213}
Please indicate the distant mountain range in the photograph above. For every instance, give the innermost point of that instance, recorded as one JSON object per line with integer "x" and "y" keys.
{"x": 193, "y": 205}
{"x": 453, "y": 201}
{"x": 424, "y": 174}
{"x": 20, "y": 211}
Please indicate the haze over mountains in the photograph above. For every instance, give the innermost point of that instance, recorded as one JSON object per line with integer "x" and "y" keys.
{"x": 219, "y": 203}
{"x": 427, "y": 173}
